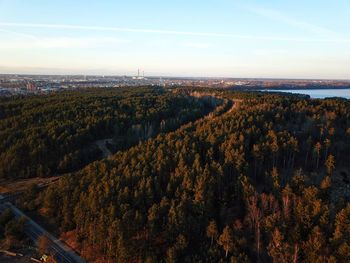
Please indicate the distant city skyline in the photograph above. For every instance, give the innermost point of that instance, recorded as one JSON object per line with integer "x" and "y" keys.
{"x": 239, "y": 39}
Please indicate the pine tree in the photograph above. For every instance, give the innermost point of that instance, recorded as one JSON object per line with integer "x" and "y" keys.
{"x": 315, "y": 246}
{"x": 277, "y": 249}
{"x": 212, "y": 231}
{"x": 330, "y": 164}
{"x": 317, "y": 152}
{"x": 226, "y": 240}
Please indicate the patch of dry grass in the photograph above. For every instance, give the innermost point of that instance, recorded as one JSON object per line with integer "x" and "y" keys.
{"x": 8, "y": 186}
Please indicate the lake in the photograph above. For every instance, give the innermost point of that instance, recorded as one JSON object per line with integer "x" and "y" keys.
{"x": 319, "y": 93}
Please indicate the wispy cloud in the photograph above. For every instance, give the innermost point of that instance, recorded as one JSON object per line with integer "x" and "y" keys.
{"x": 288, "y": 20}
{"x": 184, "y": 33}
{"x": 22, "y": 35}
{"x": 59, "y": 42}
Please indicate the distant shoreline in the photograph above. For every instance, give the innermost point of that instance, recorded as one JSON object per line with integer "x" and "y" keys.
{"x": 303, "y": 88}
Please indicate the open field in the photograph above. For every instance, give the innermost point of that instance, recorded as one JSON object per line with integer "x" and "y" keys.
{"x": 9, "y": 186}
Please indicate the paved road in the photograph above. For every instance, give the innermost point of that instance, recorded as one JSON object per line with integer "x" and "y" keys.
{"x": 61, "y": 252}
{"x": 9, "y": 197}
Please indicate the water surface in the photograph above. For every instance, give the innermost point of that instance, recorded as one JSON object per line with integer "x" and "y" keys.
{"x": 319, "y": 93}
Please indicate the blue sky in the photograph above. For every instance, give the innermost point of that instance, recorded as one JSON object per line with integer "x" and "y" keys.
{"x": 237, "y": 38}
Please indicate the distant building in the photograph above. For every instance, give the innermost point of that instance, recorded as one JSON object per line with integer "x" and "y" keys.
{"x": 139, "y": 77}
{"x": 31, "y": 87}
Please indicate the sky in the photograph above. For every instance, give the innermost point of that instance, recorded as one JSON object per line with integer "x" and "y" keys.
{"x": 190, "y": 38}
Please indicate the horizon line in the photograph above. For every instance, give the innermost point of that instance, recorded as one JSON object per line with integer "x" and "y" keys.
{"x": 179, "y": 76}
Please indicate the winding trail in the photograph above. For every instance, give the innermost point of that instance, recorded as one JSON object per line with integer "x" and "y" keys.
{"x": 235, "y": 105}
{"x": 102, "y": 144}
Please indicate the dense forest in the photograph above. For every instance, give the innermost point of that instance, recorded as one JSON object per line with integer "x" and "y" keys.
{"x": 267, "y": 180}
{"x": 50, "y": 134}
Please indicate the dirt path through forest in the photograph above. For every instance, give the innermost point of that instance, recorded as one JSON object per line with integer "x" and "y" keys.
{"x": 102, "y": 144}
